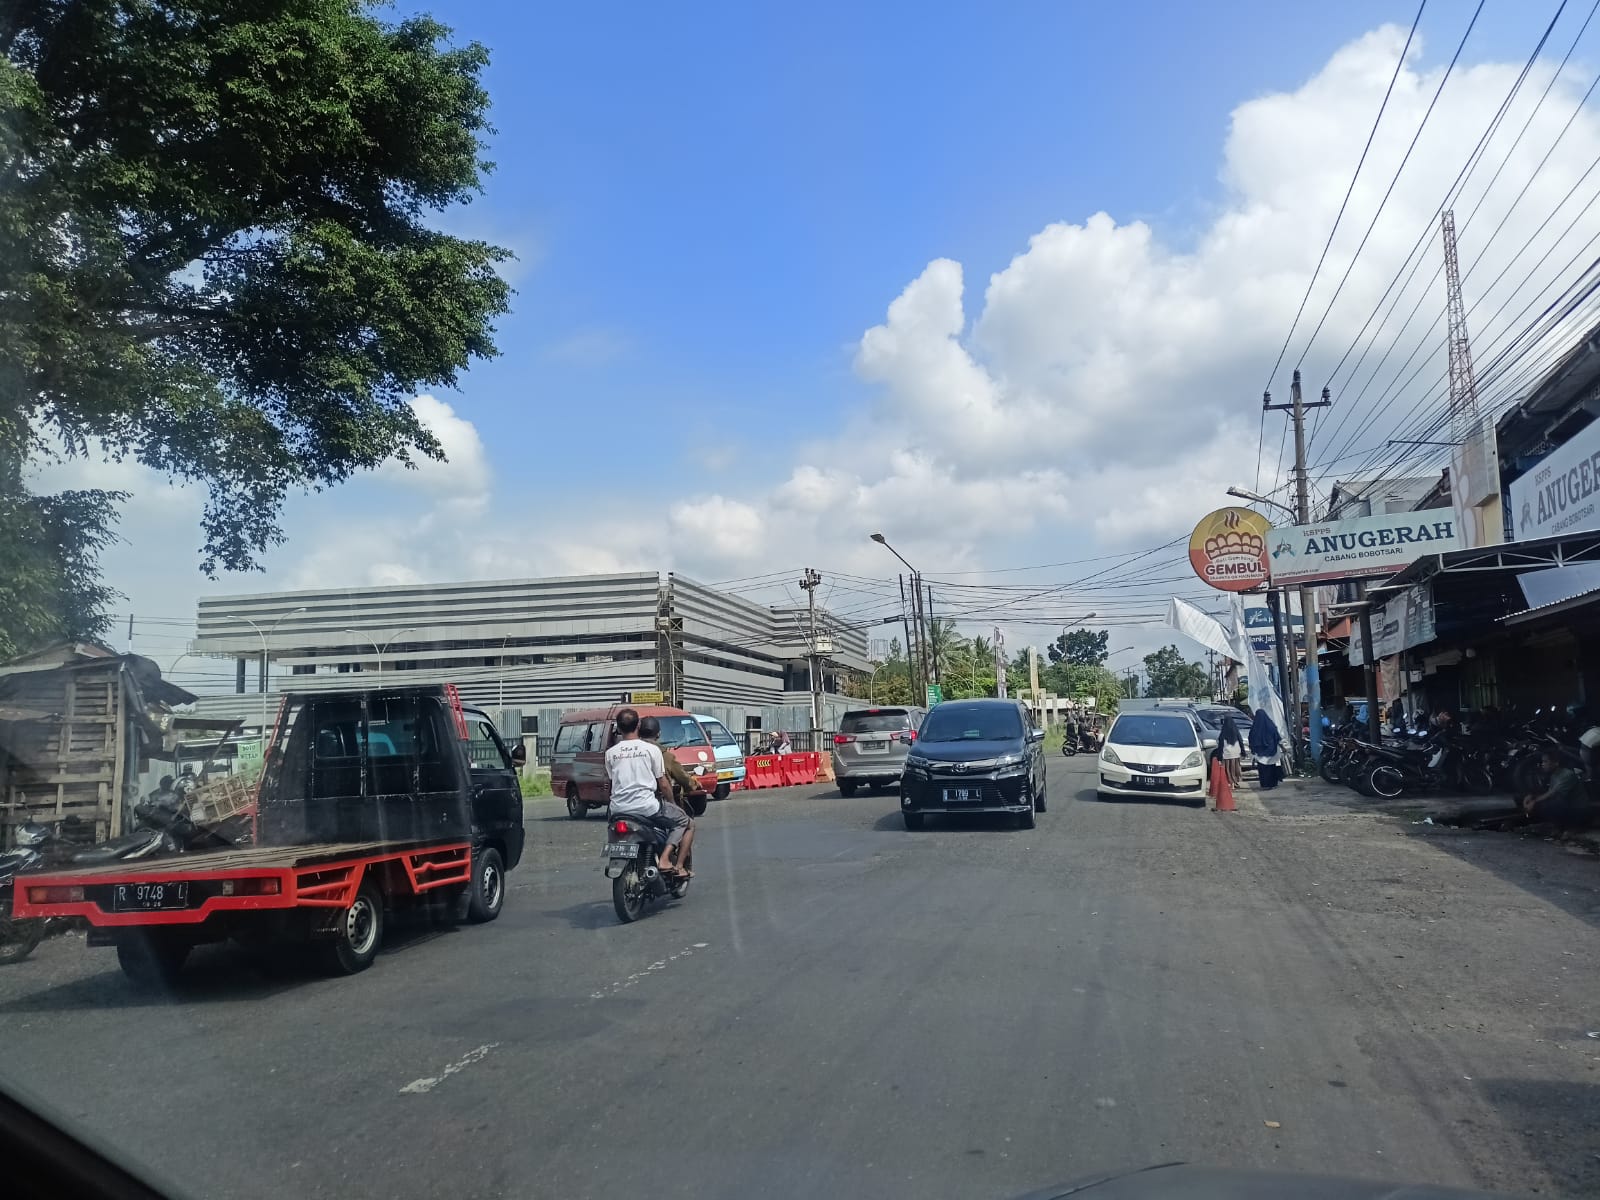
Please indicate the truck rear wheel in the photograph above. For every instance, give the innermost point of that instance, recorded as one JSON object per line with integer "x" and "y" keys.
{"x": 357, "y": 935}
{"x": 487, "y": 892}
{"x": 152, "y": 959}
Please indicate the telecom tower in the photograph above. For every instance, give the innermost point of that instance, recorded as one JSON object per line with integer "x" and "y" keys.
{"x": 1463, "y": 387}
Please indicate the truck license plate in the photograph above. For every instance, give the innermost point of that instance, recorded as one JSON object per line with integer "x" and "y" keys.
{"x": 622, "y": 850}
{"x": 149, "y": 897}
{"x": 967, "y": 795}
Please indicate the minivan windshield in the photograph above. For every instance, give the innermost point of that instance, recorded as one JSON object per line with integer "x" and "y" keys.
{"x": 681, "y": 731}
{"x": 1139, "y": 729}
{"x": 972, "y": 723}
{"x": 718, "y": 733}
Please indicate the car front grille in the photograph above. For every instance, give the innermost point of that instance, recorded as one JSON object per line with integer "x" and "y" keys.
{"x": 1150, "y": 768}
{"x": 1009, "y": 790}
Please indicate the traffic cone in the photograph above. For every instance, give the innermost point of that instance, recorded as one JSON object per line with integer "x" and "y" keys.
{"x": 1221, "y": 789}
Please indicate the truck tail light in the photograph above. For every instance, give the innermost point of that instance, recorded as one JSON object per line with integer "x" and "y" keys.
{"x": 255, "y": 886}
{"x": 55, "y": 895}
{"x": 843, "y": 739}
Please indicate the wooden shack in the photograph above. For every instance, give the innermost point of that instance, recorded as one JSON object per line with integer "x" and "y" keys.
{"x": 78, "y": 721}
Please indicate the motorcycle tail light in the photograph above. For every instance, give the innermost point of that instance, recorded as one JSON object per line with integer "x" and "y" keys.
{"x": 55, "y": 895}
{"x": 619, "y": 827}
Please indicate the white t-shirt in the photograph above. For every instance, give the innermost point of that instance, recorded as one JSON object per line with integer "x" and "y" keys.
{"x": 633, "y": 767}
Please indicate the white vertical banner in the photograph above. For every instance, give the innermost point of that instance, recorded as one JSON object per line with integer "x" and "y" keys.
{"x": 1262, "y": 694}
{"x": 999, "y": 663}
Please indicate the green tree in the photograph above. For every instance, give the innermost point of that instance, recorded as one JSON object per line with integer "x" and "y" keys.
{"x": 214, "y": 256}
{"x": 1168, "y": 673}
{"x": 1078, "y": 681}
{"x": 50, "y": 587}
{"x": 1080, "y": 647}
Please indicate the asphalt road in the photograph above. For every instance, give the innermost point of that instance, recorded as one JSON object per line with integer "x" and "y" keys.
{"x": 843, "y": 1008}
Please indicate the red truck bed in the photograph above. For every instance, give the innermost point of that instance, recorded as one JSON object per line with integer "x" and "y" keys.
{"x": 185, "y": 889}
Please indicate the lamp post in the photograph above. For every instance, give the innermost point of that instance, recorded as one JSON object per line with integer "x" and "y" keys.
{"x": 380, "y": 649}
{"x": 916, "y": 611}
{"x": 263, "y": 636}
{"x": 1256, "y": 498}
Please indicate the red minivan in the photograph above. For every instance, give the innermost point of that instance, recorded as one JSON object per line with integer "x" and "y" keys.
{"x": 578, "y": 760}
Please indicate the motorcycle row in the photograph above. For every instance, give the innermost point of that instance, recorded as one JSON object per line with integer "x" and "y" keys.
{"x": 1490, "y": 753}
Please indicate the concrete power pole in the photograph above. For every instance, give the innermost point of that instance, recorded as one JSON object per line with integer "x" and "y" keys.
{"x": 809, "y": 582}
{"x": 1308, "y": 596}
{"x": 911, "y": 645}
{"x": 999, "y": 663}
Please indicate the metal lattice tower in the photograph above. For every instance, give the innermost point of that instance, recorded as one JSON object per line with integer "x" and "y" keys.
{"x": 1463, "y": 387}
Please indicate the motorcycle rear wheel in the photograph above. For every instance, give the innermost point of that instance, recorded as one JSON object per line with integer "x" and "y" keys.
{"x": 1330, "y": 766}
{"x": 18, "y": 939}
{"x": 628, "y": 894}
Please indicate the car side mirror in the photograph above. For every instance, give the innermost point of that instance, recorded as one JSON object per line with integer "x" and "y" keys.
{"x": 519, "y": 753}
{"x": 1209, "y": 743}
{"x": 1036, "y": 735}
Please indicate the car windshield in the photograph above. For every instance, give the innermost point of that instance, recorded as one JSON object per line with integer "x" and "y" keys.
{"x": 718, "y": 733}
{"x": 1141, "y": 729}
{"x": 677, "y": 732}
{"x": 884, "y": 722}
{"x": 971, "y": 723}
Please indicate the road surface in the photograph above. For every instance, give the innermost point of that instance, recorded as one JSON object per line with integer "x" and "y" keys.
{"x": 843, "y": 1008}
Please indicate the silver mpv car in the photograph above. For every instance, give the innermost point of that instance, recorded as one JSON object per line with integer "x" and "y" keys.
{"x": 871, "y": 746}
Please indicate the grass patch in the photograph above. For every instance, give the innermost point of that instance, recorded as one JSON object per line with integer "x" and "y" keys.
{"x": 1054, "y": 735}
{"x": 535, "y": 783}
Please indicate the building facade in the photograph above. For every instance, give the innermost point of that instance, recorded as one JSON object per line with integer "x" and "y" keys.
{"x": 535, "y": 646}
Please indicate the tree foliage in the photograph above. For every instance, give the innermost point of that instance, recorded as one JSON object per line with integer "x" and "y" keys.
{"x": 1080, "y": 647}
{"x": 213, "y": 251}
{"x": 1168, "y": 673}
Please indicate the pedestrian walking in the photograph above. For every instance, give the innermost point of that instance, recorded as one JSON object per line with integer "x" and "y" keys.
{"x": 1230, "y": 748}
{"x": 1266, "y": 747}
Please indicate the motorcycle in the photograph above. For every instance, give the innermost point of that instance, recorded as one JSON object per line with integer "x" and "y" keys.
{"x": 1446, "y": 765}
{"x": 632, "y": 850}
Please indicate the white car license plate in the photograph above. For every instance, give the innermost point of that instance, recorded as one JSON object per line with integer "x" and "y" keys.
{"x": 966, "y": 795}
{"x": 622, "y": 850}
{"x": 1148, "y": 780}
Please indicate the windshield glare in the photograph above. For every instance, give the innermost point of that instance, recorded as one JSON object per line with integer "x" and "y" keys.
{"x": 718, "y": 733}
{"x": 1152, "y": 731}
{"x": 681, "y": 731}
{"x": 985, "y": 724}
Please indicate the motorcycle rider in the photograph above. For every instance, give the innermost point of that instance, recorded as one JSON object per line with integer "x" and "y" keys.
{"x": 650, "y": 731}
{"x": 640, "y": 785}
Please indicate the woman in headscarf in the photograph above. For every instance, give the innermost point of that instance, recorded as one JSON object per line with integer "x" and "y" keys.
{"x": 1264, "y": 746}
{"x": 1230, "y": 748}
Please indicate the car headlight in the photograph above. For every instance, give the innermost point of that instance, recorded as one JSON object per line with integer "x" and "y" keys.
{"x": 1109, "y": 755}
{"x": 1195, "y": 759}
{"x": 1009, "y": 760}
{"x": 917, "y": 765}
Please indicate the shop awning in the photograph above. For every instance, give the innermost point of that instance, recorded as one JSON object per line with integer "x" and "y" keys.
{"x": 1541, "y": 553}
{"x": 1554, "y": 608}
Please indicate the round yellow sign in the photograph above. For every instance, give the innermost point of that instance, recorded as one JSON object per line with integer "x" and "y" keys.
{"x": 1228, "y": 549}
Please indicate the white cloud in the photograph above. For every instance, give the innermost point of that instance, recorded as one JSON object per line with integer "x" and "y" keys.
{"x": 588, "y": 347}
{"x": 464, "y": 477}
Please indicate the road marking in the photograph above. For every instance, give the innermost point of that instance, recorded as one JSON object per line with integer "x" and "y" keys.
{"x": 659, "y": 965}
{"x": 418, "y": 1087}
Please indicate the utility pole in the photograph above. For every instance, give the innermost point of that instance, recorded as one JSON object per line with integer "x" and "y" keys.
{"x": 999, "y": 663}
{"x": 809, "y": 582}
{"x": 912, "y": 653}
{"x": 933, "y": 639}
{"x": 1308, "y": 596}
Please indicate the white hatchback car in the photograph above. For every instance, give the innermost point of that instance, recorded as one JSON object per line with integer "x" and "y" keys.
{"x": 1154, "y": 754}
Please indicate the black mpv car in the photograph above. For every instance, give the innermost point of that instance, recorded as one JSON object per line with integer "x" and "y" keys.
{"x": 974, "y": 756}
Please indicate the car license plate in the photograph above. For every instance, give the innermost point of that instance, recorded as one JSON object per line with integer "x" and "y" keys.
{"x": 1148, "y": 780}
{"x": 725, "y": 774}
{"x": 149, "y": 897}
{"x": 966, "y": 795}
{"x": 622, "y": 850}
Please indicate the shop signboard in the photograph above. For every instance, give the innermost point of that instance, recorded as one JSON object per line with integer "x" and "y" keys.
{"x": 1561, "y": 494}
{"x": 1264, "y": 635}
{"x": 1404, "y": 622}
{"x": 1361, "y": 547}
{"x": 1228, "y": 549}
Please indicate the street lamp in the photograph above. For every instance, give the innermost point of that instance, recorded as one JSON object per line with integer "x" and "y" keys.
{"x": 380, "y": 649}
{"x": 916, "y": 609}
{"x": 1254, "y": 498}
{"x": 263, "y": 636}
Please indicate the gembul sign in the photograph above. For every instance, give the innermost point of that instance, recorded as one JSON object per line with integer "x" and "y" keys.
{"x": 1361, "y": 547}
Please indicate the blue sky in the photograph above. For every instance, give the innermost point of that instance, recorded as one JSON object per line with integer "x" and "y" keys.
{"x": 789, "y": 275}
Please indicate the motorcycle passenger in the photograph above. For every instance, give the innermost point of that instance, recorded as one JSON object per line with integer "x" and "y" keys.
{"x": 640, "y": 786}
{"x": 1072, "y": 736}
{"x": 650, "y": 731}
